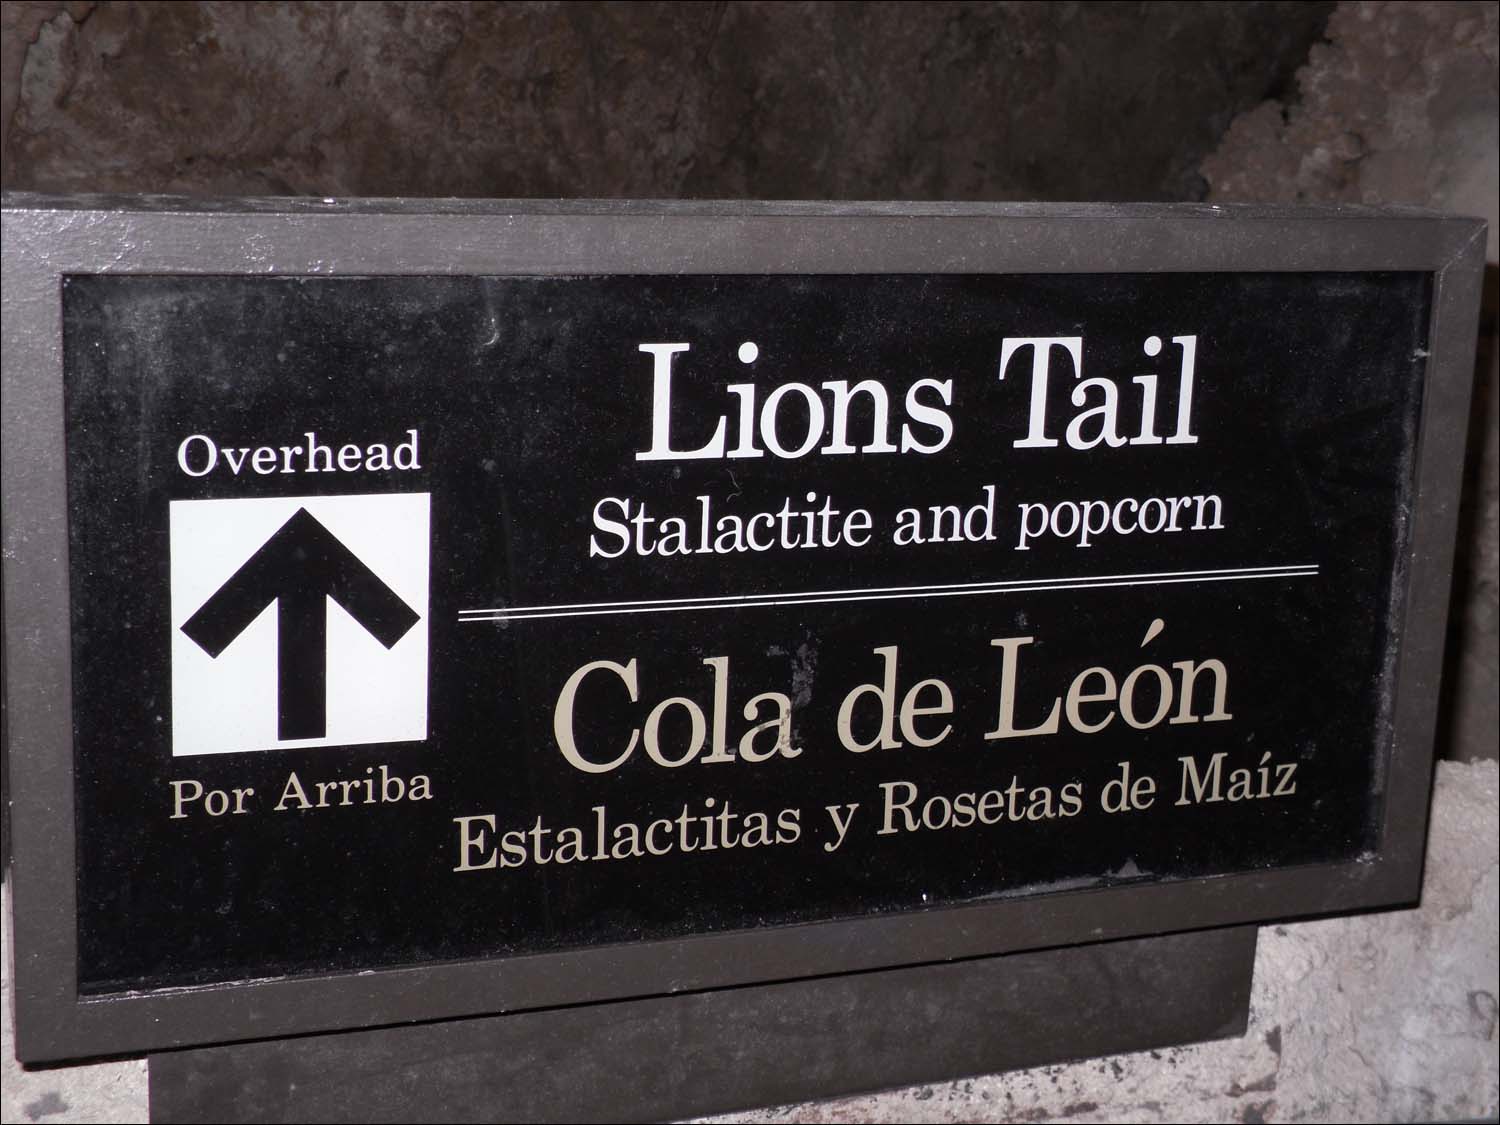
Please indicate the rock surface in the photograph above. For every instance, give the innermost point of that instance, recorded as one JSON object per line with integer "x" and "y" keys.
{"x": 938, "y": 100}
{"x": 1398, "y": 106}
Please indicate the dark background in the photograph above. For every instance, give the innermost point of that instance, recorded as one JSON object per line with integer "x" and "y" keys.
{"x": 531, "y": 400}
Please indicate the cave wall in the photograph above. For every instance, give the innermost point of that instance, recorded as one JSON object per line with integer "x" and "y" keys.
{"x": 768, "y": 100}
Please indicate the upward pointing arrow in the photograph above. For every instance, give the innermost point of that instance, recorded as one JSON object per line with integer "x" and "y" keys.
{"x": 298, "y": 568}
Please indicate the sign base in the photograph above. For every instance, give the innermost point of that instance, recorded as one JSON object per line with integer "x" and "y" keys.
{"x": 716, "y": 1051}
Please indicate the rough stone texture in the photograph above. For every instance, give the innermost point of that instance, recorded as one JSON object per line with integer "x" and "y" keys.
{"x": 933, "y": 100}
{"x": 1378, "y": 1017}
{"x": 109, "y": 1092}
{"x": 1399, "y": 106}
{"x": 1471, "y": 708}
{"x": 1402, "y": 105}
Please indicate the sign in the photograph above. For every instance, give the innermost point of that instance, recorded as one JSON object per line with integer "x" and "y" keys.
{"x": 325, "y": 646}
{"x": 508, "y": 621}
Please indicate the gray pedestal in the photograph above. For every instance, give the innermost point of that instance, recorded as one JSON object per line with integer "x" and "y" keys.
{"x": 676, "y": 1056}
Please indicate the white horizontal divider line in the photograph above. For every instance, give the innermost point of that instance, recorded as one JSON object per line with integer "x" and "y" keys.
{"x": 885, "y": 593}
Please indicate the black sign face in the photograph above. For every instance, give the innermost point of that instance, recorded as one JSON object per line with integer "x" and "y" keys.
{"x": 421, "y": 618}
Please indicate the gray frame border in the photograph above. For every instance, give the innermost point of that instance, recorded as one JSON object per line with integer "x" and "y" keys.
{"x": 45, "y": 238}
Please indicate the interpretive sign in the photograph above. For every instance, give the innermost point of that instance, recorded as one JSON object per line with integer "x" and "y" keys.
{"x": 503, "y": 607}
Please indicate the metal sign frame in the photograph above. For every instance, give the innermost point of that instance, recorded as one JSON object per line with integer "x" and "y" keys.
{"x": 47, "y": 238}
